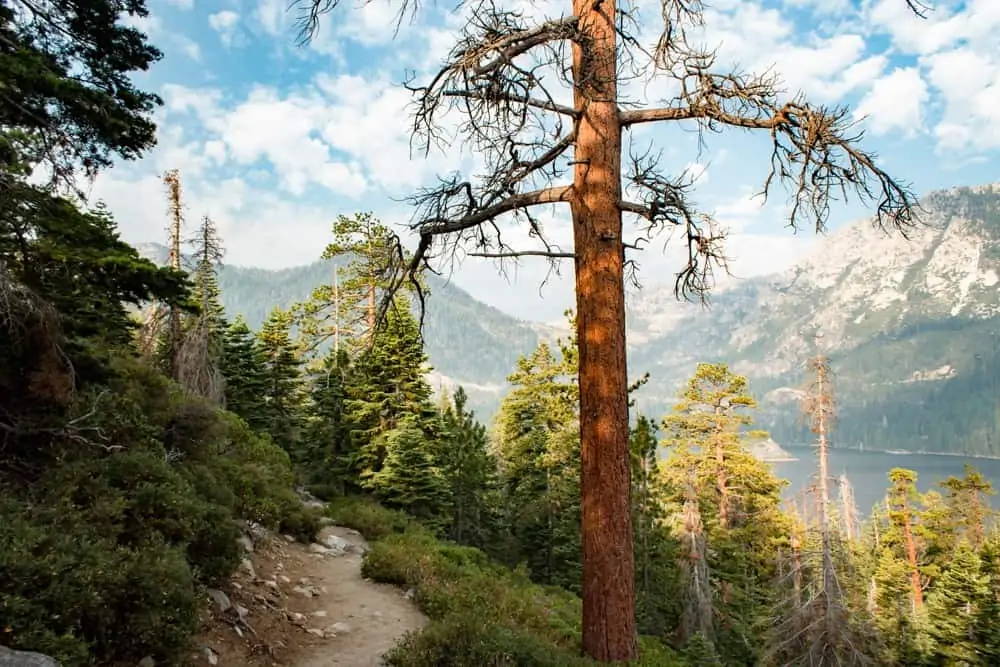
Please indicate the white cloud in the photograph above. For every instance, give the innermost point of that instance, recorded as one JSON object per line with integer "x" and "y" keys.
{"x": 182, "y": 4}
{"x": 224, "y": 23}
{"x": 895, "y": 102}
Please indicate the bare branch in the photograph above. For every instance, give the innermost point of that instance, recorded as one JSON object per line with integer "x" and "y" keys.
{"x": 485, "y": 96}
{"x": 523, "y": 253}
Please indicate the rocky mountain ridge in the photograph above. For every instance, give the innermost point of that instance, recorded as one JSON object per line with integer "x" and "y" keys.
{"x": 910, "y": 325}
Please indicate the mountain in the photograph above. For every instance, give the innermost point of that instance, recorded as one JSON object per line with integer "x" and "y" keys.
{"x": 469, "y": 343}
{"x": 910, "y": 326}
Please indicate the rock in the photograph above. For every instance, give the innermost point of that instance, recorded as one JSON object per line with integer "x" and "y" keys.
{"x": 318, "y": 549}
{"x": 247, "y": 566}
{"x": 147, "y": 662}
{"x": 338, "y": 543}
{"x": 210, "y": 655}
{"x": 320, "y": 613}
{"x": 305, "y": 591}
{"x": 10, "y": 658}
{"x": 325, "y": 521}
{"x": 410, "y": 594}
{"x": 338, "y": 629}
{"x": 242, "y": 612}
{"x": 288, "y": 538}
{"x": 316, "y": 631}
{"x": 299, "y": 617}
{"x": 221, "y": 599}
{"x": 272, "y": 584}
{"x": 246, "y": 542}
{"x": 283, "y": 579}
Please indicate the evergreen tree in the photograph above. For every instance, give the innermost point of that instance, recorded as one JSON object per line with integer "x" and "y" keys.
{"x": 200, "y": 356}
{"x": 327, "y": 433}
{"x": 537, "y": 443}
{"x": 953, "y": 606}
{"x": 388, "y": 386}
{"x": 411, "y": 477}
{"x": 281, "y": 378}
{"x": 470, "y": 470}
{"x": 243, "y": 374}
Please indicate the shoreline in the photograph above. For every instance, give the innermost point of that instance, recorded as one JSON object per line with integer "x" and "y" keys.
{"x": 896, "y": 452}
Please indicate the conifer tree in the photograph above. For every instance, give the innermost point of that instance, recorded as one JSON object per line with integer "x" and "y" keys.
{"x": 201, "y": 348}
{"x": 364, "y": 256}
{"x": 953, "y": 606}
{"x": 281, "y": 378}
{"x": 411, "y": 476}
{"x": 387, "y": 386}
{"x": 470, "y": 470}
{"x": 538, "y": 450}
{"x": 243, "y": 374}
{"x": 327, "y": 432}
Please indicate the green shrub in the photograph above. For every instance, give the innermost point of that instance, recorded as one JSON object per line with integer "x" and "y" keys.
{"x": 481, "y": 612}
{"x": 105, "y": 556}
{"x": 68, "y": 590}
{"x": 371, "y": 519}
{"x": 466, "y": 641}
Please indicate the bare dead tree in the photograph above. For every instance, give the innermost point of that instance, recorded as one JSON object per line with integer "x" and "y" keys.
{"x": 539, "y": 150}
{"x": 819, "y": 406}
{"x": 172, "y": 180}
{"x": 848, "y": 507}
{"x": 698, "y": 611}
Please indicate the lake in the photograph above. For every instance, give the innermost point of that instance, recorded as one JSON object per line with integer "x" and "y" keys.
{"x": 868, "y": 471}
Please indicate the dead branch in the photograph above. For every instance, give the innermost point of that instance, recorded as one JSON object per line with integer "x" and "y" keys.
{"x": 523, "y": 253}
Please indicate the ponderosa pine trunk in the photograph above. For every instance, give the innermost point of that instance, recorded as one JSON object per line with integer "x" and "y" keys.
{"x": 609, "y": 626}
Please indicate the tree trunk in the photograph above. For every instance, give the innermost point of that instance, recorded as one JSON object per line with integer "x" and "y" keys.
{"x": 720, "y": 471}
{"x": 911, "y": 555}
{"x": 609, "y": 624}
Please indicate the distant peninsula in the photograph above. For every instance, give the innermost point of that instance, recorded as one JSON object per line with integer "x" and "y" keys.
{"x": 766, "y": 449}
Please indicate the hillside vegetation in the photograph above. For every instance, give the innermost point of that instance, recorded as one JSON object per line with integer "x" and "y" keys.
{"x": 904, "y": 327}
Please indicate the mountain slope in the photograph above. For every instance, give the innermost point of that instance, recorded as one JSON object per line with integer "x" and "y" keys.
{"x": 910, "y": 327}
{"x": 468, "y": 342}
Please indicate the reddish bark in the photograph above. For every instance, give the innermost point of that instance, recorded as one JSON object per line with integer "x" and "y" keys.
{"x": 609, "y": 625}
{"x": 911, "y": 554}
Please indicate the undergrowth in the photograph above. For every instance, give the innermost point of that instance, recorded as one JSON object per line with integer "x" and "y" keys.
{"x": 105, "y": 556}
{"x": 482, "y": 614}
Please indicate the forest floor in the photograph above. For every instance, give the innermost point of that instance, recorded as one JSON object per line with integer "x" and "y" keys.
{"x": 298, "y": 605}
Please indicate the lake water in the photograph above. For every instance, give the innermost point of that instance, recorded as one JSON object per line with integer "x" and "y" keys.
{"x": 868, "y": 471}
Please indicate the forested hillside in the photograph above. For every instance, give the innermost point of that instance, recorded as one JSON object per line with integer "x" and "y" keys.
{"x": 470, "y": 343}
{"x": 905, "y": 324}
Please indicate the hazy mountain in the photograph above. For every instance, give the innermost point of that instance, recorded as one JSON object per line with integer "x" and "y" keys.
{"x": 910, "y": 326}
{"x": 469, "y": 342}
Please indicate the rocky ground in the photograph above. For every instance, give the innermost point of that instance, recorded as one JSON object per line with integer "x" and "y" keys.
{"x": 293, "y": 605}
{"x": 302, "y": 605}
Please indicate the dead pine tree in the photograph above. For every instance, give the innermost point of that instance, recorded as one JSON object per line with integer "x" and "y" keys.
{"x": 504, "y": 79}
{"x": 172, "y": 180}
{"x": 819, "y": 408}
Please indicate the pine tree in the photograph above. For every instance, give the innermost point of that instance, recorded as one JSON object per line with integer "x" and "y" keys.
{"x": 243, "y": 374}
{"x": 281, "y": 380}
{"x": 387, "y": 386}
{"x": 953, "y": 606}
{"x": 411, "y": 478}
{"x": 201, "y": 350}
{"x": 537, "y": 445}
{"x": 327, "y": 431}
{"x": 364, "y": 255}
{"x": 470, "y": 470}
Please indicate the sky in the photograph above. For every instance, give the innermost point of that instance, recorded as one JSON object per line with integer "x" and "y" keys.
{"x": 275, "y": 139}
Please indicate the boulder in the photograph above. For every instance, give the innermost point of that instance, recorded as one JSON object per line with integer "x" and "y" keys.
{"x": 11, "y": 658}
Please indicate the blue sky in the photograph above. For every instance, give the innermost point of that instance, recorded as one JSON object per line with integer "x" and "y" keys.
{"x": 274, "y": 140}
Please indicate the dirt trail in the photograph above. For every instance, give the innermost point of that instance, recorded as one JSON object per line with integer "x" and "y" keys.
{"x": 300, "y": 605}
{"x": 378, "y": 615}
